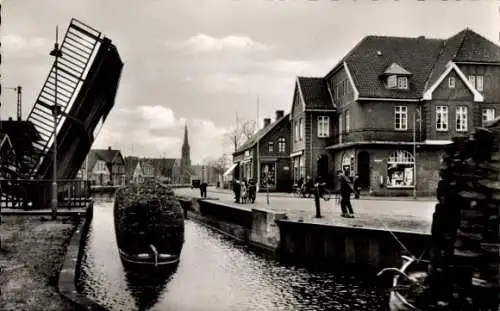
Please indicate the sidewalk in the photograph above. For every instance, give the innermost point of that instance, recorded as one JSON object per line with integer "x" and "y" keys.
{"x": 363, "y": 197}
{"x": 408, "y": 215}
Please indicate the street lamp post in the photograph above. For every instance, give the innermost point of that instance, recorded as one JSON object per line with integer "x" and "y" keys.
{"x": 56, "y": 52}
{"x": 417, "y": 111}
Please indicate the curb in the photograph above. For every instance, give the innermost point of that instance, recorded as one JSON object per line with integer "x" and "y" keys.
{"x": 71, "y": 268}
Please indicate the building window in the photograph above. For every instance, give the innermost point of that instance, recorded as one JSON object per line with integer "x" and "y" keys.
{"x": 451, "y": 82}
{"x": 347, "y": 121}
{"x": 488, "y": 114}
{"x": 341, "y": 129}
{"x": 270, "y": 146}
{"x": 348, "y": 163}
{"x": 401, "y": 118}
{"x": 400, "y": 169}
{"x": 301, "y": 128}
{"x": 402, "y": 83}
{"x": 296, "y": 130}
{"x": 281, "y": 144}
{"x": 441, "y": 118}
{"x": 461, "y": 118}
{"x": 391, "y": 81}
{"x": 477, "y": 82}
{"x": 323, "y": 126}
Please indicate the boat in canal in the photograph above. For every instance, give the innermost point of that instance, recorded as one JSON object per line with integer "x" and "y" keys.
{"x": 462, "y": 272}
{"x": 149, "y": 227}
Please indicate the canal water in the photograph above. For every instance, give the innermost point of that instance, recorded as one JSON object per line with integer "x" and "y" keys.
{"x": 214, "y": 274}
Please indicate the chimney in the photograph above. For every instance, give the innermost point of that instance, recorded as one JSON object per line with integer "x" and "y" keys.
{"x": 279, "y": 114}
{"x": 267, "y": 121}
{"x": 109, "y": 148}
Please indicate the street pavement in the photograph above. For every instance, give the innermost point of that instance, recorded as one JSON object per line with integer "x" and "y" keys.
{"x": 400, "y": 215}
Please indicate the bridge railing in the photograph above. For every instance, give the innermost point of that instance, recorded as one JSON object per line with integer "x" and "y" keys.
{"x": 36, "y": 193}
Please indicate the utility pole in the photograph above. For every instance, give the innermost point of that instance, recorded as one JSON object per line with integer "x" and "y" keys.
{"x": 56, "y": 52}
{"x": 417, "y": 111}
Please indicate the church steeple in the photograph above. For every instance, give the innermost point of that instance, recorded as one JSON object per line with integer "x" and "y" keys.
{"x": 185, "y": 156}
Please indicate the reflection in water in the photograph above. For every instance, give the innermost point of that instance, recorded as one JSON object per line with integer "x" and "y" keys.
{"x": 214, "y": 274}
{"x": 147, "y": 288}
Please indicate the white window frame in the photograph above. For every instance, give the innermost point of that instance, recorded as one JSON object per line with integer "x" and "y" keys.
{"x": 401, "y": 158}
{"x": 480, "y": 83}
{"x": 281, "y": 144}
{"x": 442, "y": 111}
{"x": 401, "y": 112}
{"x": 461, "y": 119}
{"x": 403, "y": 83}
{"x": 472, "y": 80}
{"x": 296, "y": 138}
{"x": 323, "y": 126}
{"x": 347, "y": 121}
{"x": 451, "y": 82}
{"x": 270, "y": 146}
{"x": 487, "y": 114}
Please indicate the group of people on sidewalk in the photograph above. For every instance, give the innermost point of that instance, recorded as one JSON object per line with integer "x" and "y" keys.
{"x": 345, "y": 189}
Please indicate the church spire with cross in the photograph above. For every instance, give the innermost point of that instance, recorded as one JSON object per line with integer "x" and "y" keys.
{"x": 186, "y": 157}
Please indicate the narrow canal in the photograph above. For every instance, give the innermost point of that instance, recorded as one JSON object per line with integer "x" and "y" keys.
{"x": 214, "y": 274}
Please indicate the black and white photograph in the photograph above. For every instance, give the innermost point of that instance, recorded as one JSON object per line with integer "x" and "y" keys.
{"x": 250, "y": 155}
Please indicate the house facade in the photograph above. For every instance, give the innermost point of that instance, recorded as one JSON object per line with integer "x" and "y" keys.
{"x": 104, "y": 167}
{"x": 312, "y": 120}
{"x": 265, "y": 157}
{"x": 395, "y": 104}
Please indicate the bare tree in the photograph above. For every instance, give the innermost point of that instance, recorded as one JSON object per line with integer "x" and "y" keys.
{"x": 219, "y": 164}
{"x": 238, "y": 135}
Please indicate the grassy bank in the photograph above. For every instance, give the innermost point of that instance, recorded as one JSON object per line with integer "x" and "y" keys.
{"x": 31, "y": 255}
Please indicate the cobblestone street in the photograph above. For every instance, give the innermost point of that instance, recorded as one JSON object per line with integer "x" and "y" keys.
{"x": 398, "y": 214}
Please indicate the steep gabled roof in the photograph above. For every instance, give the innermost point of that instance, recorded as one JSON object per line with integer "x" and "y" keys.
{"x": 109, "y": 156}
{"x": 395, "y": 69}
{"x": 260, "y": 134}
{"x": 375, "y": 53}
{"x": 315, "y": 93}
{"x": 424, "y": 58}
{"x": 130, "y": 165}
{"x": 476, "y": 48}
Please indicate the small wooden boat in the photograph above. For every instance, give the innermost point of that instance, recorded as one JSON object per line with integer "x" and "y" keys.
{"x": 149, "y": 227}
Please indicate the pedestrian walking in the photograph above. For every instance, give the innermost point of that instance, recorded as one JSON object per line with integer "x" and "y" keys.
{"x": 346, "y": 188}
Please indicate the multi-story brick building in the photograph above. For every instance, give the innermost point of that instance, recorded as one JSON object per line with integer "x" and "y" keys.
{"x": 312, "y": 119}
{"x": 395, "y": 103}
{"x": 273, "y": 158}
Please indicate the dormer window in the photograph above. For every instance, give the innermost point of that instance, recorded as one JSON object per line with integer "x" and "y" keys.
{"x": 402, "y": 83}
{"x": 396, "y": 77}
{"x": 392, "y": 81}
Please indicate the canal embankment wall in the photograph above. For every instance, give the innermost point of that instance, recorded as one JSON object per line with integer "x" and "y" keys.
{"x": 331, "y": 247}
{"x": 68, "y": 276}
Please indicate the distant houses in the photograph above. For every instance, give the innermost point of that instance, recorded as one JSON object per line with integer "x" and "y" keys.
{"x": 104, "y": 167}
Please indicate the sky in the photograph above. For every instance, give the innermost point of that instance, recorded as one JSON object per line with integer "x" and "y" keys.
{"x": 204, "y": 62}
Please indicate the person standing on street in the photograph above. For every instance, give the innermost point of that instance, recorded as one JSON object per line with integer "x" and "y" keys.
{"x": 357, "y": 186}
{"x": 346, "y": 189}
{"x": 203, "y": 189}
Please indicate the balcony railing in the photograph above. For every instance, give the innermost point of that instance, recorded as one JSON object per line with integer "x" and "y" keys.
{"x": 36, "y": 194}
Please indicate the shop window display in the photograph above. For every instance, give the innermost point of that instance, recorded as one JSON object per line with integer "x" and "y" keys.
{"x": 268, "y": 175}
{"x": 400, "y": 169}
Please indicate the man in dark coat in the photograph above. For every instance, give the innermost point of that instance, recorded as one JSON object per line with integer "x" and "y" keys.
{"x": 203, "y": 189}
{"x": 237, "y": 190}
{"x": 346, "y": 188}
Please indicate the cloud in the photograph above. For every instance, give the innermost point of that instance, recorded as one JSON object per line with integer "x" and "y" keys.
{"x": 202, "y": 43}
{"x": 20, "y": 46}
{"x": 154, "y": 131}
